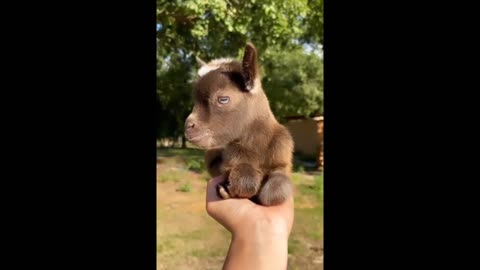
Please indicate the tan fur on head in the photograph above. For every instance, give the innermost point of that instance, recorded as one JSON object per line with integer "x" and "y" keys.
{"x": 243, "y": 139}
{"x": 213, "y": 65}
{"x": 248, "y": 68}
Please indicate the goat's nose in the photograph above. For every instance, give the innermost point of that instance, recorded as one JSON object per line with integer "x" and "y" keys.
{"x": 189, "y": 124}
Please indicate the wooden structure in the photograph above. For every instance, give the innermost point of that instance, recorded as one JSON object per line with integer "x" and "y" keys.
{"x": 307, "y": 134}
{"x": 320, "y": 139}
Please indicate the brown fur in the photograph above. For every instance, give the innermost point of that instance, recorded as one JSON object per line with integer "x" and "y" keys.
{"x": 243, "y": 139}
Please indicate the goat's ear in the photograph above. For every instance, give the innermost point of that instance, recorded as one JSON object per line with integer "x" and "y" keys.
{"x": 249, "y": 66}
{"x": 200, "y": 62}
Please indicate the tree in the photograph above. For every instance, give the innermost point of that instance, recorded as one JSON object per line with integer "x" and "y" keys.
{"x": 294, "y": 84}
{"x": 217, "y": 27}
{"x": 313, "y": 23}
{"x": 220, "y": 28}
{"x": 174, "y": 96}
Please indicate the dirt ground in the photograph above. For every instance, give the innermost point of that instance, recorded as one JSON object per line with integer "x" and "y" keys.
{"x": 187, "y": 238}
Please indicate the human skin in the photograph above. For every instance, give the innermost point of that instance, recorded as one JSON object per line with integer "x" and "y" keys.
{"x": 259, "y": 234}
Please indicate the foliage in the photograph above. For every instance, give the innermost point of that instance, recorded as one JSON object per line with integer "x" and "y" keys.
{"x": 294, "y": 85}
{"x": 216, "y": 27}
{"x": 220, "y": 28}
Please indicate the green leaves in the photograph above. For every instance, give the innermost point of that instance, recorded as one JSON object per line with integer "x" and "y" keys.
{"x": 199, "y": 30}
{"x": 267, "y": 21}
{"x": 220, "y": 28}
{"x": 293, "y": 84}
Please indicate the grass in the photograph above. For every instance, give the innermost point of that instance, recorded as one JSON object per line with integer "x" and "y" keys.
{"x": 195, "y": 164}
{"x": 205, "y": 253}
{"x": 168, "y": 177}
{"x": 190, "y": 158}
{"x": 187, "y": 152}
{"x": 315, "y": 188}
{"x": 165, "y": 245}
{"x": 187, "y": 236}
{"x": 173, "y": 175}
{"x": 294, "y": 245}
{"x": 205, "y": 176}
{"x": 187, "y": 187}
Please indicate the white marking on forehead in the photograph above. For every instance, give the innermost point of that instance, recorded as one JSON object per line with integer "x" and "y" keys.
{"x": 213, "y": 65}
{"x": 220, "y": 61}
{"x": 206, "y": 69}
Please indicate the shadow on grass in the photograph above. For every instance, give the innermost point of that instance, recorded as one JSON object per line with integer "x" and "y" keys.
{"x": 190, "y": 158}
{"x": 305, "y": 164}
{"x": 193, "y": 159}
{"x": 185, "y": 152}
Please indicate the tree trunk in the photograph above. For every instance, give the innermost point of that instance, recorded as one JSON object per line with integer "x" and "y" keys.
{"x": 184, "y": 142}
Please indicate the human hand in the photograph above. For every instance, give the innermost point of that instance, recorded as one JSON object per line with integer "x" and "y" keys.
{"x": 259, "y": 234}
{"x": 237, "y": 215}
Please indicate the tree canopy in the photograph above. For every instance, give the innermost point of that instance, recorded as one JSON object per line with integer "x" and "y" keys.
{"x": 281, "y": 30}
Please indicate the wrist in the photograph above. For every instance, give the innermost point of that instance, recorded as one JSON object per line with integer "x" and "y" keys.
{"x": 260, "y": 245}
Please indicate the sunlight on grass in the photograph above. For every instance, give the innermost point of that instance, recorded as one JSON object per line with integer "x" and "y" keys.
{"x": 185, "y": 234}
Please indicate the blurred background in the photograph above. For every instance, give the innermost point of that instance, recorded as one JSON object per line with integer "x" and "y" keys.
{"x": 289, "y": 36}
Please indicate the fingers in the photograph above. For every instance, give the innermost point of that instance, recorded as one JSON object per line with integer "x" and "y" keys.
{"x": 227, "y": 212}
{"x": 231, "y": 212}
{"x": 212, "y": 188}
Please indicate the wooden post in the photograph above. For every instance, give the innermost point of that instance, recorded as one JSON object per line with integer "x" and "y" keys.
{"x": 320, "y": 138}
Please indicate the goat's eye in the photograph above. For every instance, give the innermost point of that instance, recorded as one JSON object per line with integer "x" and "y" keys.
{"x": 223, "y": 100}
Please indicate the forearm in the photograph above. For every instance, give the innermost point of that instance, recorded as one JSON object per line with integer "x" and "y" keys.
{"x": 266, "y": 248}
